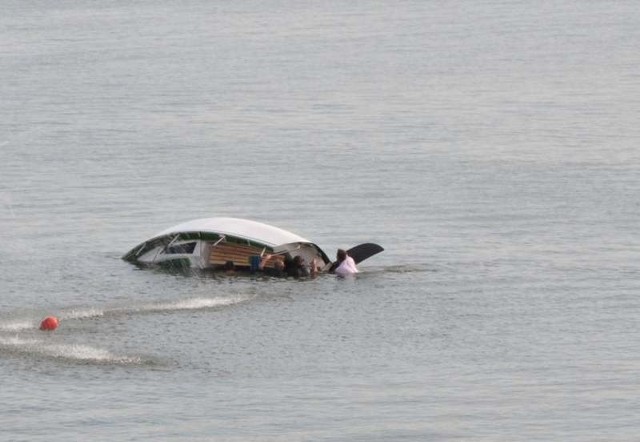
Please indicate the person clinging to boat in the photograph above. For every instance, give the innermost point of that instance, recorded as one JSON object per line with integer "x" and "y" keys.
{"x": 279, "y": 266}
{"x": 344, "y": 265}
{"x": 297, "y": 268}
{"x": 284, "y": 266}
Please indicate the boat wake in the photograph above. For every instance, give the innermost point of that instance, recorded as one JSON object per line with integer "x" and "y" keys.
{"x": 186, "y": 304}
{"x": 18, "y": 325}
{"x": 78, "y": 314}
{"x": 78, "y": 353}
{"x": 21, "y": 338}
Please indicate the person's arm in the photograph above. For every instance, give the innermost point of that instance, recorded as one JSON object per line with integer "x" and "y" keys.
{"x": 263, "y": 262}
{"x": 314, "y": 269}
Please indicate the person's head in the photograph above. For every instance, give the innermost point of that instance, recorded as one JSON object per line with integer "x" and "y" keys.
{"x": 298, "y": 261}
{"x": 341, "y": 255}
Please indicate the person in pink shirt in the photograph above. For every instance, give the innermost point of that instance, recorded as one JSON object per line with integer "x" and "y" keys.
{"x": 344, "y": 265}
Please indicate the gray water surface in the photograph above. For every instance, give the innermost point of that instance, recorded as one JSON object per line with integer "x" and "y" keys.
{"x": 490, "y": 147}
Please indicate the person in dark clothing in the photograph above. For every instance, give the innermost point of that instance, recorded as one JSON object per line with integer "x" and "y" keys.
{"x": 296, "y": 268}
{"x": 282, "y": 267}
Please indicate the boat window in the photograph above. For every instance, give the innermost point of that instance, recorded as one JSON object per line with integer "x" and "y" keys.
{"x": 187, "y": 247}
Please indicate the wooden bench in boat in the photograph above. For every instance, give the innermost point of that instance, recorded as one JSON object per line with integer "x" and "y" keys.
{"x": 239, "y": 254}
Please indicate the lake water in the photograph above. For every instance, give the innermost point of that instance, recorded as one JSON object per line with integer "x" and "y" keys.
{"x": 491, "y": 147}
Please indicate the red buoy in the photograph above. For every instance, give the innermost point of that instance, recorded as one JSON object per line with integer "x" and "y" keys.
{"x": 49, "y": 323}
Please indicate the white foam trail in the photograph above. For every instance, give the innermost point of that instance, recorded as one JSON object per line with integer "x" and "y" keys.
{"x": 27, "y": 324}
{"x": 86, "y": 353}
{"x": 16, "y": 342}
{"x": 193, "y": 304}
{"x": 90, "y": 313}
{"x": 157, "y": 307}
{"x": 19, "y": 325}
{"x": 82, "y": 314}
{"x": 73, "y": 352}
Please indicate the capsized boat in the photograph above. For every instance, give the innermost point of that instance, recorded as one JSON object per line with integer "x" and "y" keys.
{"x": 211, "y": 243}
